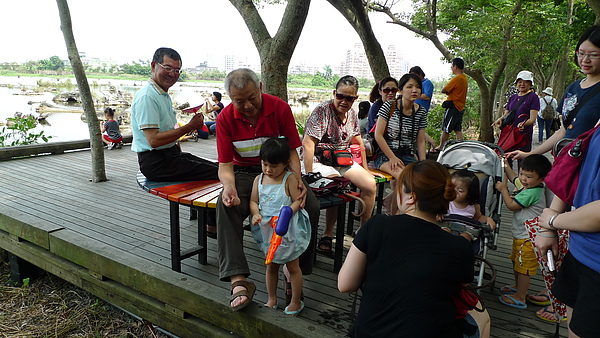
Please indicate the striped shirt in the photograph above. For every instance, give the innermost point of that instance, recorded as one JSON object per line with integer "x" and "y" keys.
{"x": 402, "y": 129}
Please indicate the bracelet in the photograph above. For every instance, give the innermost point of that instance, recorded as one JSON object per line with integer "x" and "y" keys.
{"x": 547, "y": 236}
{"x": 551, "y": 221}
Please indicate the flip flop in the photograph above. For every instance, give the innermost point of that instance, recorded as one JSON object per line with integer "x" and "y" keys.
{"x": 294, "y": 313}
{"x": 287, "y": 287}
{"x": 517, "y": 304}
{"x": 545, "y": 310}
{"x": 249, "y": 293}
{"x": 508, "y": 290}
{"x": 537, "y": 302}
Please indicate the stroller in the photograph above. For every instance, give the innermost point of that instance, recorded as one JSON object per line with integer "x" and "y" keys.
{"x": 482, "y": 159}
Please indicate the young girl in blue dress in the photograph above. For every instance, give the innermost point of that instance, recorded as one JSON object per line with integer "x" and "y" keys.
{"x": 275, "y": 188}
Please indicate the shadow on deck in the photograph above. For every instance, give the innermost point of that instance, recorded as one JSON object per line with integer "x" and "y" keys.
{"x": 112, "y": 239}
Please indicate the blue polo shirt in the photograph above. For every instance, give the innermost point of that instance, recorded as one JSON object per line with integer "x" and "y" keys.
{"x": 427, "y": 90}
{"x": 152, "y": 108}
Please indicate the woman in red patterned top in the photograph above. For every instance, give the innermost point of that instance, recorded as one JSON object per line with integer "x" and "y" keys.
{"x": 333, "y": 125}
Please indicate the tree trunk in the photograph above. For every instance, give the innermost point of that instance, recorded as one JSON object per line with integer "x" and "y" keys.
{"x": 275, "y": 52}
{"x": 355, "y": 12}
{"x": 595, "y": 6}
{"x": 560, "y": 80}
{"x": 487, "y": 91}
{"x": 98, "y": 167}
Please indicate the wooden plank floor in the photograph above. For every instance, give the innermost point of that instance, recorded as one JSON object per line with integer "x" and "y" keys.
{"x": 119, "y": 214}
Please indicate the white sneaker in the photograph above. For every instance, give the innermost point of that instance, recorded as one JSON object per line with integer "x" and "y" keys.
{"x": 111, "y": 145}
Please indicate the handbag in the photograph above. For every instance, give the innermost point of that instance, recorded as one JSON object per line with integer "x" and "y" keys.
{"x": 509, "y": 119}
{"x": 371, "y": 146}
{"x": 511, "y": 138}
{"x": 447, "y": 104}
{"x": 563, "y": 178}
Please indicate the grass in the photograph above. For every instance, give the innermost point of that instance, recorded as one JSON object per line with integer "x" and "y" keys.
{"x": 51, "y": 307}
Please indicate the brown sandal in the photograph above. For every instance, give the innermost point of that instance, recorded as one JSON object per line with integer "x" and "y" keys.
{"x": 249, "y": 293}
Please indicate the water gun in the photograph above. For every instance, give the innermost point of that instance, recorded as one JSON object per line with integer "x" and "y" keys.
{"x": 280, "y": 225}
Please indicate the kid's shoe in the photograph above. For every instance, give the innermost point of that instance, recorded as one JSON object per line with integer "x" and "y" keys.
{"x": 111, "y": 145}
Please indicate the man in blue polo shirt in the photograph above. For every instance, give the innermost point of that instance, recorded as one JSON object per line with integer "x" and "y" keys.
{"x": 153, "y": 122}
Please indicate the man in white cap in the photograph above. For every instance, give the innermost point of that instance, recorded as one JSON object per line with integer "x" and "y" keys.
{"x": 546, "y": 114}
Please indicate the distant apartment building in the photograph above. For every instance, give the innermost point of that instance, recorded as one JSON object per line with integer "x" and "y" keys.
{"x": 234, "y": 62}
{"x": 95, "y": 62}
{"x": 303, "y": 68}
{"x": 356, "y": 62}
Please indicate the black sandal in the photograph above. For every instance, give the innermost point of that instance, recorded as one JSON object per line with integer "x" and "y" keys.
{"x": 287, "y": 286}
{"x": 325, "y": 244}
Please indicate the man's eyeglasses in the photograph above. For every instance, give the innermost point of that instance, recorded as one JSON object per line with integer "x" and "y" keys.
{"x": 388, "y": 90}
{"x": 592, "y": 56}
{"x": 169, "y": 69}
{"x": 348, "y": 98}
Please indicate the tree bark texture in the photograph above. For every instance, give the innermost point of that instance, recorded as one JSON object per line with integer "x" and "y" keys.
{"x": 98, "y": 167}
{"x": 356, "y": 14}
{"x": 275, "y": 52}
{"x": 595, "y": 6}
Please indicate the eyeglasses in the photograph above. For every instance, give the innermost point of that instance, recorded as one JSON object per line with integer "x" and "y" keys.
{"x": 348, "y": 98}
{"x": 388, "y": 90}
{"x": 592, "y": 56}
{"x": 169, "y": 69}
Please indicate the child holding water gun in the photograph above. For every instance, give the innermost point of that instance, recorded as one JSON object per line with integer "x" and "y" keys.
{"x": 272, "y": 190}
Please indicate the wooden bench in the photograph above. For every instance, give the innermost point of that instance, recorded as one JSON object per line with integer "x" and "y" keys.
{"x": 201, "y": 196}
{"x": 380, "y": 183}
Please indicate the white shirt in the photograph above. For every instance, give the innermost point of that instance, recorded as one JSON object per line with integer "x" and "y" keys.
{"x": 543, "y": 101}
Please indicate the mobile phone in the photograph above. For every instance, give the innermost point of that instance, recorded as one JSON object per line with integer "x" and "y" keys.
{"x": 550, "y": 261}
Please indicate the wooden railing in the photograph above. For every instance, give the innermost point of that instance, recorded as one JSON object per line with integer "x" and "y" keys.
{"x": 52, "y": 148}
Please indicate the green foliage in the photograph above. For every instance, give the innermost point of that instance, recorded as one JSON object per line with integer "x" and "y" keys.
{"x": 142, "y": 68}
{"x": 54, "y": 63}
{"x": 17, "y": 133}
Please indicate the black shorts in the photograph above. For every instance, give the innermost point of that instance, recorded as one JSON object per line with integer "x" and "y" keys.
{"x": 577, "y": 286}
{"x": 452, "y": 120}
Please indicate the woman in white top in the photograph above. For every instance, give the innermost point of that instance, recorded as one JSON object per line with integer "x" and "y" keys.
{"x": 543, "y": 123}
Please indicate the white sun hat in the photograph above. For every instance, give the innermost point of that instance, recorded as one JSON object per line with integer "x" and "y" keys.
{"x": 525, "y": 75}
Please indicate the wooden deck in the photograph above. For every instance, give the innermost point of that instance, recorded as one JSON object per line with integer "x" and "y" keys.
{"x": 112, "y": 239}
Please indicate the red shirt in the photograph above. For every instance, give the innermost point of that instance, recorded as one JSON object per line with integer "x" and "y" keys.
{"x": 239, "y": 141}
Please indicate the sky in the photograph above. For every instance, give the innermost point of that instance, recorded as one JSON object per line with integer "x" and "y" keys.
{"x": 200, "y": 30}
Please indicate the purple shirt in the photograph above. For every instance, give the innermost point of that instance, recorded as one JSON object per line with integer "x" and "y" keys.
{"x": 532, "y": 102}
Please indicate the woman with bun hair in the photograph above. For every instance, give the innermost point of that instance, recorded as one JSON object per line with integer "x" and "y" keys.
{"x": 398, "y": 261}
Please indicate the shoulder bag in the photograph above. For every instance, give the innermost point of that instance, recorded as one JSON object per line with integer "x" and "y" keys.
{"x": 509, "y": 119}
{"x": 563, "y": 178}
{"x": 371, "y": 146}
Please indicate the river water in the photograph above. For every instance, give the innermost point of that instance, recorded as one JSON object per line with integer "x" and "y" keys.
{"x": 18, "y": 95}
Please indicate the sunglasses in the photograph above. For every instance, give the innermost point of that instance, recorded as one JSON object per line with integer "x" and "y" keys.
{"x": 388, "y": 90}
{"x": 348, "y": 98}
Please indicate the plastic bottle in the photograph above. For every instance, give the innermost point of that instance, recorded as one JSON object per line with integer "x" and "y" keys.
{"x": 356, "y": 153}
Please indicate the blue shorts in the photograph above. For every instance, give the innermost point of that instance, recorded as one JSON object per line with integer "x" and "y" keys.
{"x": 382, "y": 159}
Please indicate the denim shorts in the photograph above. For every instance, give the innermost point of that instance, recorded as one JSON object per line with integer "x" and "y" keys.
{"x": 382, "y": 159}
